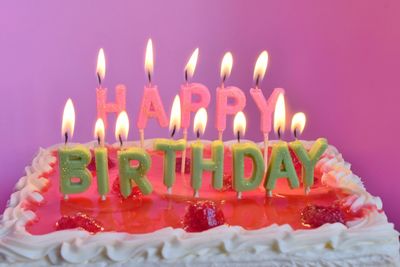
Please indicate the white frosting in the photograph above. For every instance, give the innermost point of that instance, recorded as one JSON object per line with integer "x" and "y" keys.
{"x": 370, "y": 241}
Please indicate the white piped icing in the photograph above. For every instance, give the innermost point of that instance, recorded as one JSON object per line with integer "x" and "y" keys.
{"x": 370, "y": 241}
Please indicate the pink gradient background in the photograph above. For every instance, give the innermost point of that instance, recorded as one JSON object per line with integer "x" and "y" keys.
{"x": 339, "y": 62}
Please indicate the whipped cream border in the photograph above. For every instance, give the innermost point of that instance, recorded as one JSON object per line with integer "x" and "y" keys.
{"x": 371, "y": 236}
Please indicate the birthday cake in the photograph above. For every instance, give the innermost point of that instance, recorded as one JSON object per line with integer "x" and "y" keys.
{"x": 337, "y": 224}
{"x": 167, "y": 202}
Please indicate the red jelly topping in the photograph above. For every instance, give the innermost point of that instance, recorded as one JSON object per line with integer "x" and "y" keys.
{"x": 202, "y": 215}
{"x": 178, "y": 165}
{"x": 315, "y": 215}
{"x": 159, "y": 210}
{"x": 136, "y": 194}
{"x": 81, "y": 221}
{"x": 227, "y": 183}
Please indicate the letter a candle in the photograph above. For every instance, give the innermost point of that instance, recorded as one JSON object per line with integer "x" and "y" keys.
{"x": 281, "y": 164}
{"x": 188, "y": 90}
{"x": 151, "y": 105}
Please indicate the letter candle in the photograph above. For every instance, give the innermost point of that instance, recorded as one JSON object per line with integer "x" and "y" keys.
{"x": 188, "y": 105}
{"x": 101, "y": 160}
{"x": 281, "y": 164}
{"x": 266, "y": 107}
{"x": 225, "y": 93}
{"x": 169, "y": 147}
{"x": 101, "y": 93}
{"x": 129, "y": 174}
{"x": 72, "y": 161}
{"x": 122, "y": 127}
{"x": 239, "y": 152}
{"x": 198, "y": 163}
{"x": 309, "y": 158}
{"x": 151, "y": 105}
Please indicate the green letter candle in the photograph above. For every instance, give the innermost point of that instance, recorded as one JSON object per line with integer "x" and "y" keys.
{"x": 281, "y": 166}
{"x": 199, "y": 164}
{"x": 73, "y": 163}
{"x": 240, "y": 151}
{"x": 169, "y": 147}
{"x": 100, "y": 154}
{"x": 137, "y": 174}
{"x": 309, "y": 159}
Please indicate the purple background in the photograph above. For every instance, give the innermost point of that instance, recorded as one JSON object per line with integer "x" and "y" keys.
{"x": 337, "y": 60}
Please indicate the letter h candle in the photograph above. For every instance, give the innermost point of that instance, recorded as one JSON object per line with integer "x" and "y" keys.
{"x": 104, "y": 107}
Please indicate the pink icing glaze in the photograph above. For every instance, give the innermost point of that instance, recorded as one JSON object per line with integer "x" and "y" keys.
{"x": 104, "y": 107}
{"x": 225, "y": 108}
{"x": 159, "y": 210}
{"x": 266, "y": 107}
{"x": 151, "y": 107}
{"x": 188, "y": 105}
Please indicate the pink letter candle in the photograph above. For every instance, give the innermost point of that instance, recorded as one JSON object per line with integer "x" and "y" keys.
{"x": 224, "y": 94}
{"x": 266, "y": 107}
{"x": 151, "y": 105}
{"x": 188, "y": 90}
{"x": 104, "y": 107}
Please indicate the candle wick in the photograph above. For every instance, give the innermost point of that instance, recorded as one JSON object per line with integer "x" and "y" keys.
{"x": 238, "y": 136}
{"x": 98, "y": 140}
{"x": 295, "y": 133}
{"x": 173, "y": 131}
{"x": 186, "y": 76}
{"x": 257, "y": 81}
{"x": 66, "y": 138}
{"x": 120, "y": 140}
{"x": 149, "y": 77}
{"x": 99, "y": 79}
{"x": 223, "y": 81}
{"x": 279, "y": 133}
{"x": 198, "y": 134}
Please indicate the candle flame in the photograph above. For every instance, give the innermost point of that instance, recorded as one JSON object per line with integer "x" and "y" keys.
{"x": 99, "y": 130}
{"x": 149, "y": 61}
{"x": 68, "y": 120}
{"x": 260, "y": 67}
{"x": 280, "y": 115}
{"x": 101, "y": 65}
{"x": 191, "y": 65}
{"x": 226, "y": 65}
{"x": 200, "y": 121}
{"x": 175, "y": 118}
{"x": 298, "y": 123}
{"x": 122, "y": 126}
{"x": 239, "y": 124}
